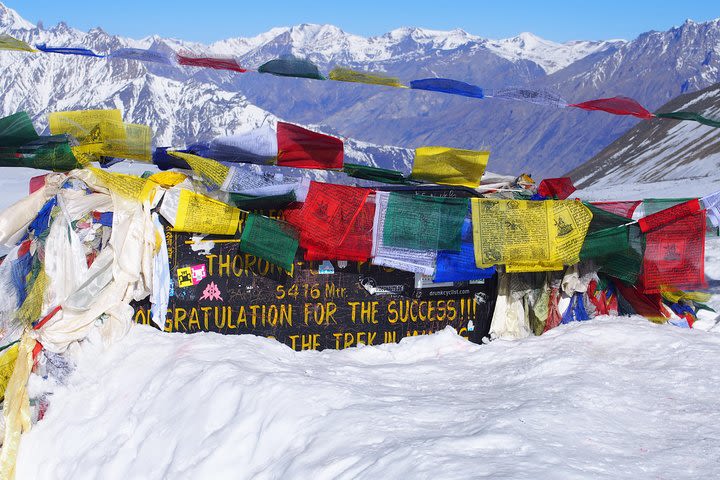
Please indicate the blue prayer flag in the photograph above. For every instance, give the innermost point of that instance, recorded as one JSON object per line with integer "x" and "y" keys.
{"x": 446, "y": 85}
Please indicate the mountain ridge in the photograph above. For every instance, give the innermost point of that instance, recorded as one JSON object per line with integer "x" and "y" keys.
{"x": 652, "y": 68}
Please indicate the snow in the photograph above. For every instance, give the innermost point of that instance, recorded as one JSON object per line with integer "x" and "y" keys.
{"x": 551, "y": 56}
{"x": 608, "y": 398}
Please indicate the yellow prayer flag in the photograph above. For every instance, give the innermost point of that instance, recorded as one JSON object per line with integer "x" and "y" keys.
{"x": 128, "y": 186}
{"x": 211, "y": 169}
{"x": 135, "y": 143}
{"x": 7, "y": 364}
{"x": 88, "y": 126}
{"x": 167, "y": 178}
{"x": 449, "y": 166}
{"x": 11, "y": 43}
{"x": 102, "y": 133}
{"x": 527, "y": 235}
{"x": 200, "y": 214}
{"x": 347, "y": 75}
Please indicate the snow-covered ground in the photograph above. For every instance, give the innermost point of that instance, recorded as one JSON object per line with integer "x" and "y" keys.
{"x": 608, "y": 398}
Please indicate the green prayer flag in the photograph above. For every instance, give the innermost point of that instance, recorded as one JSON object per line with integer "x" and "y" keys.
{"x": 373, "y": 173}
{"x": 269, "y": 239}
{"x": 17, "y": 129}
{"x": 696, "y": 117}
{"x": 424, "y": 223}
{"x": 251, "y": 202}
{"x": 615, "y": 244}
{"x": 291, "y": 67}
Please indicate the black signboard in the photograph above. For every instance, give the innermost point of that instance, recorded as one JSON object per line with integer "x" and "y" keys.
{"x": 318, "y": 305}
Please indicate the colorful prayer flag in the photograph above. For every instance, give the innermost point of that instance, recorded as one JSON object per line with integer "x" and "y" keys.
{"x": 217, "y": 63}
{"x": 616, "y": 106}
{"x": 449, "y": 166}
{"x": 423, "y": 222}
{"x": 446, "y": 85}
{"x": 537, "y": 235}
{"x": 556, "y": 188}
{"x": 347, "y": 75}
{"x": 302, "y": 148}
{"x": 291, "y": 67}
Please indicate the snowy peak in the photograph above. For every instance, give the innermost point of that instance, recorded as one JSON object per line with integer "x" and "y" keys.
{"x": 11, "y": 20}
{"x": 551, "y": 56}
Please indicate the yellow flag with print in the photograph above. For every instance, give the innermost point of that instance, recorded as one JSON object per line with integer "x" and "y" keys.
{"x": 449, "y": 166}
{"x": 208, "y": 168}
{"x": 200, "y": 214}
{"x": 527, "y": 235}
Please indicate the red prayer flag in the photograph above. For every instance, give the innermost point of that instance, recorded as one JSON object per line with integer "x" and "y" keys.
{"x": 328, "y": 213}
{"x": 356, "y": 247}
{"x": 560, "y": 188}
{"x": 675, "y": 255}
{"x": 617, "y": 106}
{"x": 302, "y": 148}
{"x": 36, "y": 183}
{"x": 218, "y": 63}
{"x": 624, "y": 209}
{"x": 663, "y": 217}
{"x": 649, "y": 305}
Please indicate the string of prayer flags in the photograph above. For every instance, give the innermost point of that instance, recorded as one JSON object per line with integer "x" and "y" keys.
{"x": 375, "y": 174}
{"x": 217, "y": 63}
{"x": 537, "y": 235}
{"x": 556, "y": 188}
{"x": 347, "y": 75}
{"x": 424, "y": 223}
{"x": 67, "y": 50}
{"x": 328, "y": 212}
{"x": 270, "y": 239}
{"x": 357, "y": 246}
{"x": 449, "y": 166}
{"x": 675, "y": 255}
{"x": 692, "y": 116}
{"x": 291, "y": 67}
{"x": 408, "y": 259}
{"x": 446, "y": 85}
{"x": 617, "y": 106}
{"x": 142, "y": 55}
{"x": 669, "y": 215}
{"x": 529, "y": 95}
{"x": 460, "y": 266}
{"x": 302, "y": 148}
{"x": 11, "y": 43}
{"x": 622, "y": 208}
{"x": 259, "y": 145}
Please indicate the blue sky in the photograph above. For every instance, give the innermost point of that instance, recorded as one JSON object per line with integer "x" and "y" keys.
{"x": 210, "y": 20}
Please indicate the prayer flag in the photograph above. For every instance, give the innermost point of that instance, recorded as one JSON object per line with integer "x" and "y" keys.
{"x": 302, "y": 148}
{"x": 616, "y": 106}
{"x": 449, "y": 166}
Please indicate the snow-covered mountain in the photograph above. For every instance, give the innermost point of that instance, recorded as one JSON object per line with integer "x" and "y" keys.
{"x": 187, "y": 104}
{"x": 661, "y": 149}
